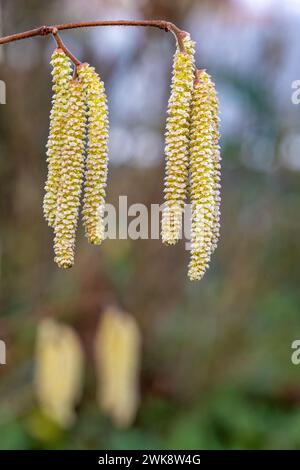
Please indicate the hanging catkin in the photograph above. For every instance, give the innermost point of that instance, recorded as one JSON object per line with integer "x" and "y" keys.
{"x": 117, "y": 359}
{"x": 97, "y": 154}
{"x": 216, "y": 162}
{"x": 177, "y": 142}
{"x": 204, "y": 171}
{"x": 62, "y": 74}
{"x": 59, "y": 366}
{"x": 71, "y": 178}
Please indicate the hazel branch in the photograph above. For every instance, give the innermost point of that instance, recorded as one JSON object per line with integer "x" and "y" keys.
{"x": 46, "y": 30}
{"x": 62, "y": 46}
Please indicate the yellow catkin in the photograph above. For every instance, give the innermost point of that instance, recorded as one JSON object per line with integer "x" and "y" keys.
{"x": 177, "y": 142}
{"x": 204, "y": 174}
{"x": 97, "y": 154}
{"x": 72, "y": 166}
{"x": 117, "y": 357}
{"x": 58, "y": 371}
{"x": 216, "y": 162}
{"x": 62, "y": 74}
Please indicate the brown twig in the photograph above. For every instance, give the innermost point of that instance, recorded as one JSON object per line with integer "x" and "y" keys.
{"x": 46, "y": 30}
{"x": 62, "y": 46}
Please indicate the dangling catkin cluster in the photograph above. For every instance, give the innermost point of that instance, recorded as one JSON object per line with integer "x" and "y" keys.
{"x": 177, "y": 142}
{"x": 97, "y": 154}
{"x": 74, "y": 100}
{"x": 204, "y": 174}
{"x": 192, "y": 157}
{"x": 62, "y": 74}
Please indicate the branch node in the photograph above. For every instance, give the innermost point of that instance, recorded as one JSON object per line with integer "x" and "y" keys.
{"x": 45, "y": 30}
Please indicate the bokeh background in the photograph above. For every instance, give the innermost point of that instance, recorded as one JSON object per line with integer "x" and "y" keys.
{"x": 216, "y": 357}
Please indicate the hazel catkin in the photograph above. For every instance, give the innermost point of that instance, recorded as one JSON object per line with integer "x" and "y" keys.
{"x": 177, "y": 142}
{"x": 117, "y": 359}
{"x": 61, "y": 74}
{"x": 59, "y": 366}
{"x": 97, "y": 154}
{"x": 216, "y": 161}
{"x": 204, "y": 174}
{"x": 72, "y": 165}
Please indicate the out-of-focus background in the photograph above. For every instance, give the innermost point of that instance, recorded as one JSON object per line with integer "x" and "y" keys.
{"x": 216, "y": 369}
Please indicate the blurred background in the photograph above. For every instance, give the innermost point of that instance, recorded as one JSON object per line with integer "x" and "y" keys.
{"x": 216, "y": 369}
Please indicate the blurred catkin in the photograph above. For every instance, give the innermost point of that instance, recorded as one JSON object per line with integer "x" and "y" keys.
{"x": 72, "y": 165}
{"x": 62, "y": 74}
{"x": 177, "y": 142}
{"x": 204, "y": 174}
{"x": 117, "y": 356}
{"x": 58, "y": 371}
{"x": 97, "y": 154}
